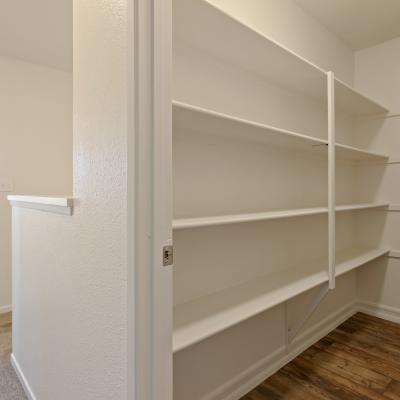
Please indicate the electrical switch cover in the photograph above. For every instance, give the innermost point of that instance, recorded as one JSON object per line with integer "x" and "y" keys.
{"x": 6, "y": 185}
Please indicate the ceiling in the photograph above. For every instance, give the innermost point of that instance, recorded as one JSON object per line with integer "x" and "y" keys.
{"x": 38, "y": 31}
{"x": 358, "y": 23}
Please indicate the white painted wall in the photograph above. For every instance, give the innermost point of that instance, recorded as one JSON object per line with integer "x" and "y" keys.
{"x": 377, "y": 74}
{"x": 36, "y": 142}
{"x": 70, "y": 297}
{"x": 288, "y": 24}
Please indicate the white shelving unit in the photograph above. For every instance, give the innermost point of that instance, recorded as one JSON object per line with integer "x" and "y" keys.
{"x": 351, "y": 153}
{"x": 354, "y": 102}
{"x": 258, "y": 54}
{"x": 204, "y": 317}
{"x": 231, "y": 42}
{"x": 186, "y": 223}
{"x": 190, "y": 117}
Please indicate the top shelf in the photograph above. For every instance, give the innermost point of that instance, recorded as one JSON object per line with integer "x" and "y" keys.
{"x": 203, "y": 26}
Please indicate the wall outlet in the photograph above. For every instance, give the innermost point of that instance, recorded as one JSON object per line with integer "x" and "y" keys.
{"x": 6, "y": 185}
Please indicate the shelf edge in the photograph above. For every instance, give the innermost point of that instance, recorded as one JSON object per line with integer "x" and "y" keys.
{"x": 56, "y": 205}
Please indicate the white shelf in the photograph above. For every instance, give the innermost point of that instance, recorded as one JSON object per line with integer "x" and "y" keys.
{"x": 346, "y": 152}
{"x": 231, "y": 40}
{"x": 57, "y": 205}
{"x": 186, "y": 223}
{"x": 205, "y": 27}
{"x": 206, "y": 316}
{"x": 360, "y": 206}
{"x": 192, "y": 118}
{"x": 355, "y": 257}
{"x": 201, "y": 318}
{"x": 355, "y": 103}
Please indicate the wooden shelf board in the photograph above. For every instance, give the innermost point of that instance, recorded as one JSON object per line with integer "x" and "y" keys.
{"x": 355, "y": 103}
{"x": 192, "y": 118}
{"x": 360, "y": 206}
{"x": 231, "y": 40}
{"x": 346, "y": 152}
{"x": 204, "y": 317}
{"x": 187, "y": 223}
{"x": 355, "y": 257}
{"x": 201, "y": 318}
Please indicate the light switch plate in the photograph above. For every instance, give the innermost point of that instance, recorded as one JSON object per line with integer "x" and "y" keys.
{"x": 6, "y": 185}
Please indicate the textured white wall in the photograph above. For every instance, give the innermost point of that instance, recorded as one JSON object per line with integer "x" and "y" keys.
{"x": 288, "y": 24}
{"x": 70, "y": 297}
{"x": 36, "y": 142}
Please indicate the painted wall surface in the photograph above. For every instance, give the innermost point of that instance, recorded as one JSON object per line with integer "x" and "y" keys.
{"x": 377, "y": 74}
{"x": 288, "y": 24}
{"x": 36, "y": 143}
{"x": 70, "y": 297}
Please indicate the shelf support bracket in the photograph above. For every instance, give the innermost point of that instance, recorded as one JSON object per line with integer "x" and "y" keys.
{"x": 292, "y": 331}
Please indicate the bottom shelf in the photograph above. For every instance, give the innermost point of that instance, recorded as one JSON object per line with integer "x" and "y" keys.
{"x": 201, "y": 318}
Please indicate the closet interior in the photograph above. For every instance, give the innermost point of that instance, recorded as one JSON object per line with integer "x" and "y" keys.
{"x": 275, "y": 192}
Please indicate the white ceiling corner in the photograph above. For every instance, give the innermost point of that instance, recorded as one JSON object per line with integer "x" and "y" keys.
{"x": 358, "y": 23}
{"x": 37, "y": 31}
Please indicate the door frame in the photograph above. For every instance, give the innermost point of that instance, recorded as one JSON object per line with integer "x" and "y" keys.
{"x": 149, "y": 147}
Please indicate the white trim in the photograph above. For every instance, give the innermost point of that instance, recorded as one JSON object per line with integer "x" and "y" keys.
{"x": 380, "y": 310}
{"x": 149, "y": 201}
{"x": 57, "y": 205}
{"x": 247, "y": 380}
{"x": 5, "y": 309}
{"x": 162, "y": 276}
{"x": 25, "y": 385}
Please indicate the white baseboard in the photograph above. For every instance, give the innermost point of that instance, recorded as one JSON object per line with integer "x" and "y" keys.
{"x": 243, "y": 383}
{"x": 379, "y": 310}
{"x": 22, "y": 379}
{"x": 5, "y": 309}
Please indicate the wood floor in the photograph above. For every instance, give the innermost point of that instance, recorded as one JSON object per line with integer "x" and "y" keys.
{"x": 360, "y": 360}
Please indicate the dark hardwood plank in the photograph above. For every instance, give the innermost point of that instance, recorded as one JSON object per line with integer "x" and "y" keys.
{"x": 283, "y": 386}
{"x": 380, "y": 322}
{"x": 360, "y": 360}
{"x": 347, "y": 369}
{"x": 342, "y": 387}
{"x": 367, "y": 344}
{"x": 393, "y": 390}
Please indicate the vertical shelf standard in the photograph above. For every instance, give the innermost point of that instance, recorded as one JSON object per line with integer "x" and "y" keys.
{"x": 331, "y": 178}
